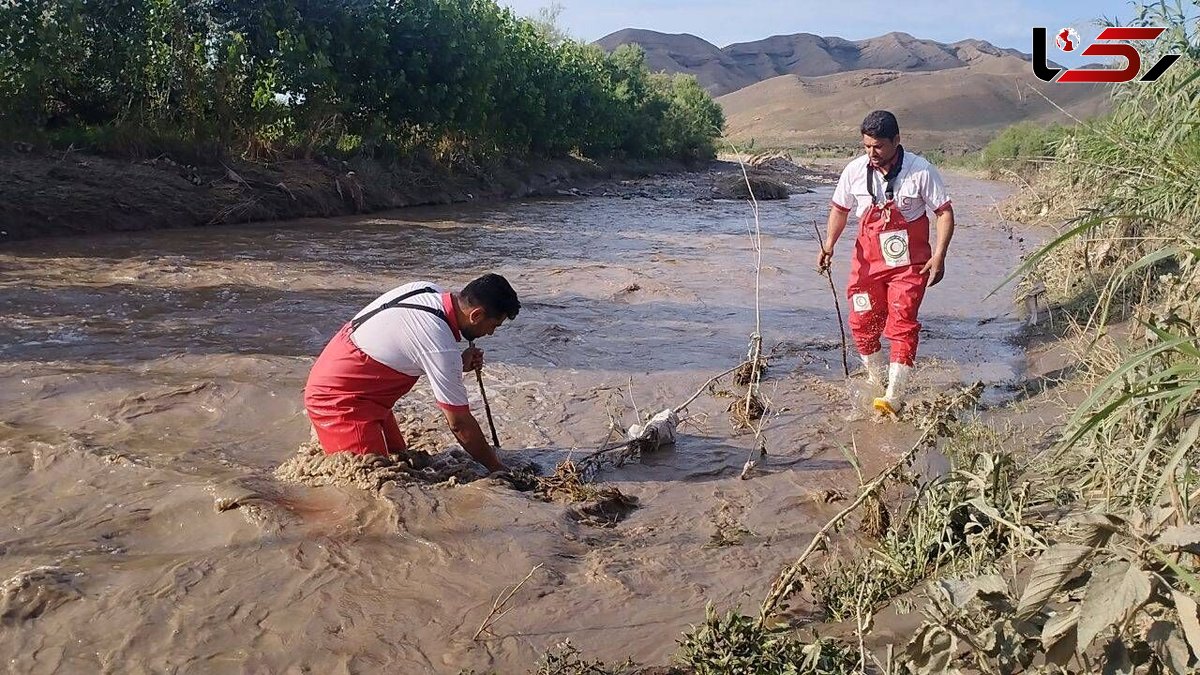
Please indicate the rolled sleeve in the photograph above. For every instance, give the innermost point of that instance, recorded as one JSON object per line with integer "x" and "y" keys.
{"x": 933, "y": 190}
{"x": 843, "y": 198}
{"x": 444, "y": 369}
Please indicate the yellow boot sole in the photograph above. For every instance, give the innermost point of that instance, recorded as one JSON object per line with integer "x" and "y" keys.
{"x": 882, "y": 407}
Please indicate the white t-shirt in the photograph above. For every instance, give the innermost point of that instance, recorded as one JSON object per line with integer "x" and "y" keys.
{"x": 415, "y": 342}
{"x": 919, "y": 187}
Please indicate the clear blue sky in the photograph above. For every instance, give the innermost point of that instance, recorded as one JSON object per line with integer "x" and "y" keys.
{"x": 1004, "y": 23}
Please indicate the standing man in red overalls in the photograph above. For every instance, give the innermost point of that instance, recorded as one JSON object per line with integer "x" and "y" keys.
{"x": 377, "y": 357}
{"x": 890, "y": 191}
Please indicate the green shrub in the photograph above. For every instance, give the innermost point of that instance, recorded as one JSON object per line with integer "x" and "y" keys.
{"x": 303, "y": 76}
{"x": 1021, "y": 149}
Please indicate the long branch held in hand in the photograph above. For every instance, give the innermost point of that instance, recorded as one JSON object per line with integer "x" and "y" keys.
{"x": 837, "y": 305}
{"x": 486, "y": 407}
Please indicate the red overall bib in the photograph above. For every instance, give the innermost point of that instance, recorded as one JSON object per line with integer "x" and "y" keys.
{"x": 349, "y": 395}
{"x": 886, "y": 285}
{"x": 349, "y": 398}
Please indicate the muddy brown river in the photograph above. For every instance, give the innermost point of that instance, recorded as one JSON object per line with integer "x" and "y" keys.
{"x": 145, "y": 376}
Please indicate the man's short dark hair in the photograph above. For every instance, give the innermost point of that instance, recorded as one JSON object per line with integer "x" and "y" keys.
{"x": 494, "y": 295}
{"x": 881, "y": 124}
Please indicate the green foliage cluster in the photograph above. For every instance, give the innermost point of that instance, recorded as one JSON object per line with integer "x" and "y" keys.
{"x": 298, "y": 76}
{"x": 1021, "y": 149}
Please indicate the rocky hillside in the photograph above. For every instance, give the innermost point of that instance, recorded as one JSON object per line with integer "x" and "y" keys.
{"x": 725, "y": 69}
{"x": 797, "y": 91}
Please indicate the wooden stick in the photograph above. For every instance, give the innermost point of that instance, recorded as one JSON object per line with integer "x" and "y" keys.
{"x": 487, "y": 408}
{"x": 714, "y": 378}
{"x": 499, "y": 603}
{"x": 837, "y": 305}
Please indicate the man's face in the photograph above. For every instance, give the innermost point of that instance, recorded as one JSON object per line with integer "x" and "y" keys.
{"x": 479, "y": 324}
{"x": 880, "y": 150}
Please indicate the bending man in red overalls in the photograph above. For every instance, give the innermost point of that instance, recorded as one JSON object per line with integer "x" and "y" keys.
{"x": 890, "y": 191}
{"x": 376, "y": 358}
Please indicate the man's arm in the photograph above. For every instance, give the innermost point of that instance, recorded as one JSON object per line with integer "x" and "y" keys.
{"x": 466, "y": 429}
{"x": 933, "y": 192}
{"x": 840, "y": 205}
{"x": 833, "y": 230}
{"x": 445, "y": 371}
{"x": 936, "y": 267}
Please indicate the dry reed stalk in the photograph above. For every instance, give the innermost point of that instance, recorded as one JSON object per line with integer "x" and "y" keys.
{"x": 783, "y": 586}
{"x": 498, "y": 605}
{"x": 754, "y": 406}
{"x": 877, "y": 518}
{"x": 712, "y": 380}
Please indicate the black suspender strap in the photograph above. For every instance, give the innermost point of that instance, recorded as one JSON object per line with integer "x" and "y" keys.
{"x": 399, "y": 302}
{"x": 889, "y": 178}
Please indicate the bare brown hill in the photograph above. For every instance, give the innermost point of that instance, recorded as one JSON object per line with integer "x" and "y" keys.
{"x": 727, "y": 69}
{"x": 955, "y": 109}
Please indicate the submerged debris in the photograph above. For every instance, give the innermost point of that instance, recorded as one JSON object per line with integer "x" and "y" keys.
{"x": 602, "y": 505}
{"x": 610, "y": 508}
{"x": 566, "y": 484}
{"x": 743, "y": 412}
{"x": 940, "y": 412}
{"x": 745, "y": 372}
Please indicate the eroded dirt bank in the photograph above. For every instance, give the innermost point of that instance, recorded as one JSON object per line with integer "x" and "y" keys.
{"x": 72, "y": 193}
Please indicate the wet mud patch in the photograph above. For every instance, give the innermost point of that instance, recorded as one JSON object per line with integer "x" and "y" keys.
{"x": 597, "y": 505}
{"x": 312, "y": 467}
{"x": 606, "y": 510}
{"x": 32, "y": 593}
{"x": 161, "y": 399}
{"x": 757, "y": 186}
{"x": 423, "y": 433}
{"x": 260, "y": 502}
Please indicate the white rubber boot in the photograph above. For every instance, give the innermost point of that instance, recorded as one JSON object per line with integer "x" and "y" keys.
{"x": 876, "y": 365}
{"x": 891, "y": 402}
